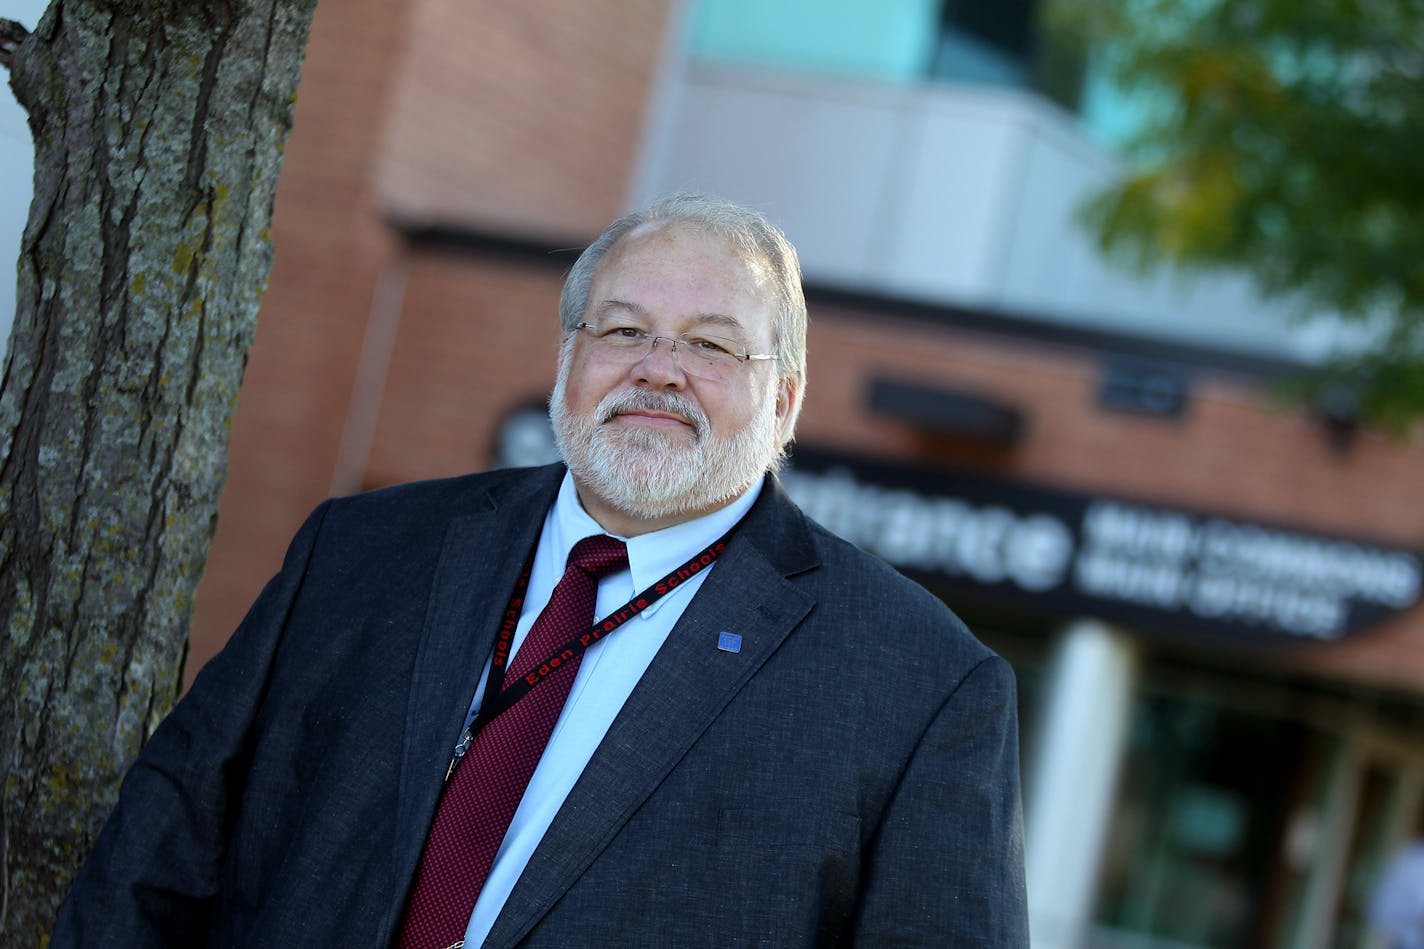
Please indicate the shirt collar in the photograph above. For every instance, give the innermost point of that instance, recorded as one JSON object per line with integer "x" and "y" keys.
{"x": 654, "y": 555}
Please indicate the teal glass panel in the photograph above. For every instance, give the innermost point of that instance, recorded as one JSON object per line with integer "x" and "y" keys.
{"x": 883, "y": 39}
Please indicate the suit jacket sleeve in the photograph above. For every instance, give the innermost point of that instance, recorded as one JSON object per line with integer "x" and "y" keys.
{"x": 946, "y": 865}
{"x": 158, "y": 862}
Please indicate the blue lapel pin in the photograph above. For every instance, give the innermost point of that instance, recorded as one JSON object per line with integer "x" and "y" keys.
{"x": 729, "y": 642}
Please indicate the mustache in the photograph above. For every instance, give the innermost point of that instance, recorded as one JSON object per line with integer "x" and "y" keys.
{"x": 670, "y": 402}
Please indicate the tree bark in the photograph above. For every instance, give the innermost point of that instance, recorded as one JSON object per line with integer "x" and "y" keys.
{"x": 158, "y": 131}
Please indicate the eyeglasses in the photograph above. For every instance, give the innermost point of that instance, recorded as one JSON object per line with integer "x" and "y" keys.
{"x": 707, "y": 357}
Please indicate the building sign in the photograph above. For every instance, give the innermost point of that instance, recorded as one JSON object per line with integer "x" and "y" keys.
{"x": 1155, "y": 568}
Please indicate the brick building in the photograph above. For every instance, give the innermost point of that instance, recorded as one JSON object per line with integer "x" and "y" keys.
{"x": 1211, "y": 599}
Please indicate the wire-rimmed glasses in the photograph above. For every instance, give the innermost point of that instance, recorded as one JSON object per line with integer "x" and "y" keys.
{"x": 699, "y": 354}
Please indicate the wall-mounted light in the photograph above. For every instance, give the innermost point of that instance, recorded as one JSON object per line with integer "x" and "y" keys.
{"x": 1142, "y": 386}
{"x": 952, "y": 413}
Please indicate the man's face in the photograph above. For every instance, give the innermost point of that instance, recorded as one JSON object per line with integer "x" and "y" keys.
{"x": 643, "y": 434}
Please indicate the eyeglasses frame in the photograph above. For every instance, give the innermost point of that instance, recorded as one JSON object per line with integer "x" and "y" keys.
{"x": 652, "y": 341}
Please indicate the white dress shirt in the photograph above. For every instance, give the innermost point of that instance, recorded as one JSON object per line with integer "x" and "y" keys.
{"x": 608, "y": 672}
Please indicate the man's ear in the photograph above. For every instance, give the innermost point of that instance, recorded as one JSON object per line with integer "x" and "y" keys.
{"x": 788, "y": 399}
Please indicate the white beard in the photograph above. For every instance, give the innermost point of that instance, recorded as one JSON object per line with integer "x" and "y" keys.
{"x": 653, "y": 473}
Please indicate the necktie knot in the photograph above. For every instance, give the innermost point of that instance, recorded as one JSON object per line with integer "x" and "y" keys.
{"x": 599, "y": 555}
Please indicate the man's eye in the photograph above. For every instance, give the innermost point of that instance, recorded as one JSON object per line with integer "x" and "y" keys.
{"x": 624, "y": 332}
{"x": 707, "y": 344}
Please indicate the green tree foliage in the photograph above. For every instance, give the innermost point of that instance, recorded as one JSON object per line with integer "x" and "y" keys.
{"x": 1285, "y": 137}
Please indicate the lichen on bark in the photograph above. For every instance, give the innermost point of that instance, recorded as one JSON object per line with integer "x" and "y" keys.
{"x": 158, "y": 131}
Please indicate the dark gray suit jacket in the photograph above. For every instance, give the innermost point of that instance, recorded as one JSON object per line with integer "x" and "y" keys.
{"x": 850, "y": 776}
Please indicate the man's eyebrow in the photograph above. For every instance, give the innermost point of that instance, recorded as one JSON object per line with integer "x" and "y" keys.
{"x": 721, "y": 320}
{"x": 608, "y": 306}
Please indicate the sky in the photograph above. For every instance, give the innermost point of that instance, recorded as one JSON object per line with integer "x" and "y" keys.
{"x": 16, "y": 173}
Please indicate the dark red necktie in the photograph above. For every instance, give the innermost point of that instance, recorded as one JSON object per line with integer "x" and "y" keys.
{"x": 485, "y": 789}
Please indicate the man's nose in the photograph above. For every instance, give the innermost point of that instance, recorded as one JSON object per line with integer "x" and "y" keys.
{"x": 660, "y": 365}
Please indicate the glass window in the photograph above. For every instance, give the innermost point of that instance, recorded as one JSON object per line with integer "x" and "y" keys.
{"x": 987, "y": 42}
{"x": 1200, "y": 826}
{"x": 889, "y": 39}
{"x": 998, "y": 43}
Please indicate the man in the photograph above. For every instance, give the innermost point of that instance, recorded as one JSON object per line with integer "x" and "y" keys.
{"x": 773, "y": 739}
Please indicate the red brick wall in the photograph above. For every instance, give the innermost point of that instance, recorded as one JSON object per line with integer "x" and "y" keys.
{"x": 477, "y": 339}
{"x": 498, "y": 114}
{"x": 329, "y": 249}
{"x": 1231, "y": 451}
{"x": 522, "y": 116}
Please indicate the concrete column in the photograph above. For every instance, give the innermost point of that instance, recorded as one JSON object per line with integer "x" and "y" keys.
{"x": 1073, "y": 776}
{"x": 1315, "y": 916}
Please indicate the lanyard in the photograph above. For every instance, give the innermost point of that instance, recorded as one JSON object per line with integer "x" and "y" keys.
{"x": 498, "y": 696}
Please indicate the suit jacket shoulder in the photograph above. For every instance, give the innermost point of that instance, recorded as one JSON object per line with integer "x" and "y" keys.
{"x": 880, "y": 614}
{"x": 412, "y": 507}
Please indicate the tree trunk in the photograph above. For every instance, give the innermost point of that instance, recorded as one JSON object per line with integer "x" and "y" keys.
{"x": 158, "y": 127}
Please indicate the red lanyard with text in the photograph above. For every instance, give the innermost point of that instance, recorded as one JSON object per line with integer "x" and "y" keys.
{"x": 498, "y": 697}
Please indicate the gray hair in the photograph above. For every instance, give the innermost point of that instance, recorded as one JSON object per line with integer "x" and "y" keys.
{"x": 746, "y": 232}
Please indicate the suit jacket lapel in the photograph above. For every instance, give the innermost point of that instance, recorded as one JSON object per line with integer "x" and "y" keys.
{"x": 479, "y": 563}
{"x": 687, "y": 685}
